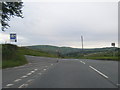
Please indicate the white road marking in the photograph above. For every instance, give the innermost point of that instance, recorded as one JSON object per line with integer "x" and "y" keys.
{"x": 29, "y": 81}
{"x": 44, "y": 69}
{"x": 118, "y": 84}
{"x": 98, "y": 72}
{"x": 24, "y": 76}
{"x": 29, "y": 73}
{"x": 51, "y": 64}
{"x": 23, "y": 86}
{"x": 35, "y": 69}
{"x": 82, "y": 62}
{"x": 32, "y": 71}
{"x": 17, "y": 80}
{"x": 8, "y": 85}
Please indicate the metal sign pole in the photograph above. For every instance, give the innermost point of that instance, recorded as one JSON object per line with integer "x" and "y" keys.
{"x": 113, "y": 44}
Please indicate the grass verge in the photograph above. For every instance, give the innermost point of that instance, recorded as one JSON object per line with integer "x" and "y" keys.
{"x": 11, "y": 56}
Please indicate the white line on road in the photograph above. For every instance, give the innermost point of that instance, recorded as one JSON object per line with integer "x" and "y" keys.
{"x": 44, "y": 69}
{"x": 32, "y": 71}
{"x": 35, "y": 69}
{"x": 8, "y": 85}
{"x": 29, "y": 74}
{"x": 17, "y": 80}
{"x": 29, "y": 81}
{"x": 98, "y": 72}
{"x": 118, "y": 84}
{"x": 23, "y": 86}
{"x": 24, "y": 76}
{"x": 82, "y": 62}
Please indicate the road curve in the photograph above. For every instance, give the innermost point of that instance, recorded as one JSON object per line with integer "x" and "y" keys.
{"x": 42, "y": 72}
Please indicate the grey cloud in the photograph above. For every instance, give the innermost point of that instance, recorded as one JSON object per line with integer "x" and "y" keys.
{"x": 64, "y": 23}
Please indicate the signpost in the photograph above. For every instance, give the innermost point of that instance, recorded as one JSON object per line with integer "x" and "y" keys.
{"x": 113, "y": 44}
{"x": 13, "y": 37}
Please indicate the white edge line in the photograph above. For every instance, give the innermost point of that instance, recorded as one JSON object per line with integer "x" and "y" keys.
{"x": 98, "y": 72}
{"x": 82, "y": 62}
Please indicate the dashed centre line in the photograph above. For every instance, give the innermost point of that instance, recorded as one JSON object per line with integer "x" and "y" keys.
{"x": 17, "y": 80}
{"x": 44, "y": 69}
{"x": 35, "y": 69}
{"x": 24, "y": 76}
{"x": 98, "y": 72}
{"x": 32, "y": 71}
{"x": 8, "y": 85}
{"x": 29, "y": 74}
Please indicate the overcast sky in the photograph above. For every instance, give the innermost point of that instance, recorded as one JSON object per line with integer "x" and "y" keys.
{"x": 63, "y": 23}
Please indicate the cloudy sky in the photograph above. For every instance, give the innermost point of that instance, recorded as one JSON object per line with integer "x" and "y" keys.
{"x": 63, "y": 23}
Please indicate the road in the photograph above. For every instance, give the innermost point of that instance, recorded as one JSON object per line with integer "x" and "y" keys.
{"x": 42, "y": 72}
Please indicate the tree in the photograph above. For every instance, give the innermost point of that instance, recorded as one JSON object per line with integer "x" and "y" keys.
{"x": 10, "y": 9}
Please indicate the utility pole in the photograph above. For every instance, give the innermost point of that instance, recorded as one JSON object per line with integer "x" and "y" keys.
{"x": 82, "y": 43}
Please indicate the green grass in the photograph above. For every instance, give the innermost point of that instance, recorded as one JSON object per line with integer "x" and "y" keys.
{"x": 102, "y": 58}
{"x": 14, "y": 56}
{"x": 11, "y": 56}
{"x": 31, "y": 52}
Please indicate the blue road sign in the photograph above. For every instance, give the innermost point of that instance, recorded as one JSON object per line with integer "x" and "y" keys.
{"x": 12, "y": 36}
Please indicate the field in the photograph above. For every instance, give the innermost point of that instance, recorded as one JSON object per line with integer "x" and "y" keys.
{"x": 12, "y": 55}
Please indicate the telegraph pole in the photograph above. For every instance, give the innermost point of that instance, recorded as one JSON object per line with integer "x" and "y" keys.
{"x": 82, "y": 43}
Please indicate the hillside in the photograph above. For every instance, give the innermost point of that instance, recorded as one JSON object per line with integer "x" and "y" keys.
{"x": 53, "y": 49}
{"x": 13, "y": 55}
{"x": 68, "y": 52}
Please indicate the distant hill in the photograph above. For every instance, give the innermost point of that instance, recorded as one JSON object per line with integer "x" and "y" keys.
{"x": 54, "y": 49}
{"x": 73, "y": 52}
